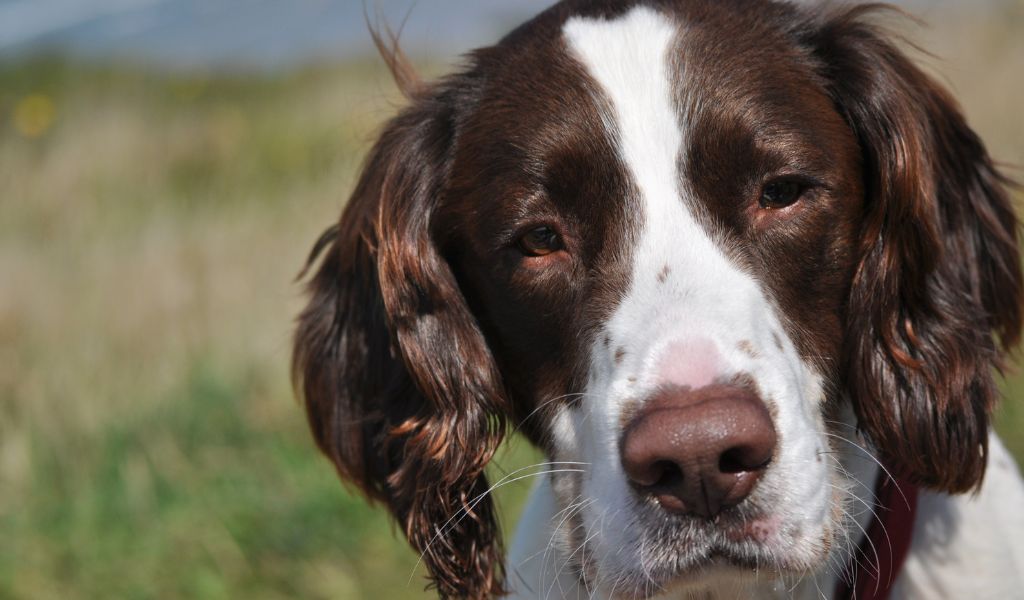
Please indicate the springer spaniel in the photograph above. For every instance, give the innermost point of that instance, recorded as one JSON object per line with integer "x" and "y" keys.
{"x": 739, "y": 268}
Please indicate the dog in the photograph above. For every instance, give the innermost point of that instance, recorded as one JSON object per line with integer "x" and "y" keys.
{"x": 742, "y": 272}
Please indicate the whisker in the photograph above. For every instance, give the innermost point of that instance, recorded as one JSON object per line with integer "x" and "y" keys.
{"x": 877, "y": 571}
{"x": 878, "y": 462}
{"x": 572, "y": 504}
{"x": 546, "y": 403}
{"x": 466, "y": 509}
{"x": 567, "y": 513}
{"x": 849, "y": 476}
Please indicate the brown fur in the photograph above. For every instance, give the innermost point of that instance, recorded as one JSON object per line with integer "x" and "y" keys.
{"x": 399, "y": 386}
{"x": 937, "y": 294}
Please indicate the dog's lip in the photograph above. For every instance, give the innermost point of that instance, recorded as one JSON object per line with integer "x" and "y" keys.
{"x": 761, "y": 530}
{"x": 745, "y": 548}
{"x": 741, "y": 546}
{"x": 738, "y": 524}
{"x": 720, "y": 557}
{"x": 718, "y": 561}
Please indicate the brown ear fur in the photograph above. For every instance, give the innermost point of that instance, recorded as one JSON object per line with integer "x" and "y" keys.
{"x": 399, "y": 386}
{"x": 936, "y": 299}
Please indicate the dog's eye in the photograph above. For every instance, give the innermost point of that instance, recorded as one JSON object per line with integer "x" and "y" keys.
{"x": 781, "y": 193}
{"x": 540, "y": 242}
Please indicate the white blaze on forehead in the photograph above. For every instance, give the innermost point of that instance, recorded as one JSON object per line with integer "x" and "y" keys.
{"x": 688, "y": 308}
{"x": 631, "y": 60}
{"x": 628, "y": 59}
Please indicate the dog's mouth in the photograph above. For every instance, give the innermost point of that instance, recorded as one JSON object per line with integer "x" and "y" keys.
{"x": 739, "y": 569}
{"x": 738, "y": 566}
{"x": 686, "y": 553}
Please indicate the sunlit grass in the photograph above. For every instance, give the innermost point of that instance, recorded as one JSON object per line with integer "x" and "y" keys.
{"x": 149, "y": 443}
{"x": 150, "y": 229}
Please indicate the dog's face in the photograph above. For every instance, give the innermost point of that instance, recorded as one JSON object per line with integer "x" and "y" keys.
{"x": 665, "y": 215}
{"x": 672, "y": 242}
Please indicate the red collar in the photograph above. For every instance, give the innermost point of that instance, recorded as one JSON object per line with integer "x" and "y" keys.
{"x": 874, "y": 567}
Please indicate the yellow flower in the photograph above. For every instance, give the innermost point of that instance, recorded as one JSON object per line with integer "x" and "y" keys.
{"x": 34, "y": 115}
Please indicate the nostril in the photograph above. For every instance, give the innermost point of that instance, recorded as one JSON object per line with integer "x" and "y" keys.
{"x": 654, "y": 474}
{"x": 669, "y": 475}
{"x": 742, "y": 459}
{"x": 730, "y": 462}
{"x": 667, "y": 487}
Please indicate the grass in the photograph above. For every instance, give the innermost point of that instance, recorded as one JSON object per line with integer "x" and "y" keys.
{"x": 149, "y": 443}
{"x": 151, "y": 227}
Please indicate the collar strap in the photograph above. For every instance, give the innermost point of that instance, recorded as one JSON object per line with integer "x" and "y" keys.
{"x": 876, "y": 564}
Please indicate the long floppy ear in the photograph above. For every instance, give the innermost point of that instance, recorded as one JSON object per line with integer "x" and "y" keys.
{"x": 936, "y": 299}
{"x": 399, "y": 386}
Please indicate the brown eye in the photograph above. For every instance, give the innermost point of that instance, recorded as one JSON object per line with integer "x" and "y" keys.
{"x": 780, "y": 194}
{"x": 540, "y": 242}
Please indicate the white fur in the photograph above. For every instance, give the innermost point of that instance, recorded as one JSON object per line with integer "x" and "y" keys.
{"x": 970, "y": 546}
{"x": 962, "y": 546}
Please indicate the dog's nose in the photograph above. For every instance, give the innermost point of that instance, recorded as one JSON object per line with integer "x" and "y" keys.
{"x": 699, "y": 451}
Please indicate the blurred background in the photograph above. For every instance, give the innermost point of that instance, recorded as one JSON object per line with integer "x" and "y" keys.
{"x": 165, "y": 166}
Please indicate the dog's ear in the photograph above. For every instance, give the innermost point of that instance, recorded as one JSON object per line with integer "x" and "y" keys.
{"x": 400, "y": 388}
{"x": 936, "y": 298}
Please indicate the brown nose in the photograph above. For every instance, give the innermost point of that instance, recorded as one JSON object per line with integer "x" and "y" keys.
{"x": 699, "y": 451}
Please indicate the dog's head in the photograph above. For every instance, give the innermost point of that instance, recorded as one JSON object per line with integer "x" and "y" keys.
{"x": 672, "y": 241}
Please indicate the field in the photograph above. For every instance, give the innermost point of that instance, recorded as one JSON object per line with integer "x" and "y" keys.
{"x": 151, "y": 225}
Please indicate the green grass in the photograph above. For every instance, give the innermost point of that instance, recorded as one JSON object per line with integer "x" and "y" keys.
{"x": 149, "y": 442}
{"x": 151, "y": 226}
{"x": 150, "y": 445}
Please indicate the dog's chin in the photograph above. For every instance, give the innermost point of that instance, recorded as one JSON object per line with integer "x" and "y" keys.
{"x": 730, "y": 556}
{"x": 729, "y": 575}
{"x": 730, "y": 572}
